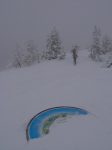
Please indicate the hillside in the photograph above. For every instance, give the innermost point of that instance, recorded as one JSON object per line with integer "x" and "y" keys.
{"x": 27, "y": 91}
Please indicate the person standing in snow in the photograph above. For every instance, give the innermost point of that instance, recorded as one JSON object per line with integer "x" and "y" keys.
{"x": 74, "y": 54}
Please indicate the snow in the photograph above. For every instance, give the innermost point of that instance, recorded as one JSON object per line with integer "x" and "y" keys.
{"x": 27, "y": 91}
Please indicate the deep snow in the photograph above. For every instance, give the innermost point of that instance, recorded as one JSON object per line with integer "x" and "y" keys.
{"x": 27, "y": 91}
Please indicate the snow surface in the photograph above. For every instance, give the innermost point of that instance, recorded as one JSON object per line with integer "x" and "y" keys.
{"x": 27, "y": 91}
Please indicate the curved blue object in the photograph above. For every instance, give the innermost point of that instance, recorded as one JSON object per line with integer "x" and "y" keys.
{"x": 39, "y": 124}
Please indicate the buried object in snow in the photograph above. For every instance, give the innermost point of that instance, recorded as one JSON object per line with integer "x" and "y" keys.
{"x": 39, "y": 125}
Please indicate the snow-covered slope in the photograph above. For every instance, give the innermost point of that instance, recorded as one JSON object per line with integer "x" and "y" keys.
{"x": 25, "y": 92}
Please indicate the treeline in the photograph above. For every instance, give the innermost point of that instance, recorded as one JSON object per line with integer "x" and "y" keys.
{"x": 99, "y": 51}
{"x": 101, "y": 47}
{"x": 30, "y": 54}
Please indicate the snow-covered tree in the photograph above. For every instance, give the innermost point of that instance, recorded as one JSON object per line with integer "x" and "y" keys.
{"x": 54, "y": 48}
{"x": 107, "y": 51}
{"x": 95, "y": 50}
{"x": 106, "y": 44}
{"x": 17, "y": 59}
{"x": 31, "y": 53}
{"x": 26, "y": 56}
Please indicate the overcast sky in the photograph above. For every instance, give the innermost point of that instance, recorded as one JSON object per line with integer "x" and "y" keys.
{"x": 22, "y": 20}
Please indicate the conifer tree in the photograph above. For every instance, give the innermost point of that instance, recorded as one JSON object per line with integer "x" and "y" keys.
{"x": 54, "y": 47}
{"x": 95, "y": 50}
